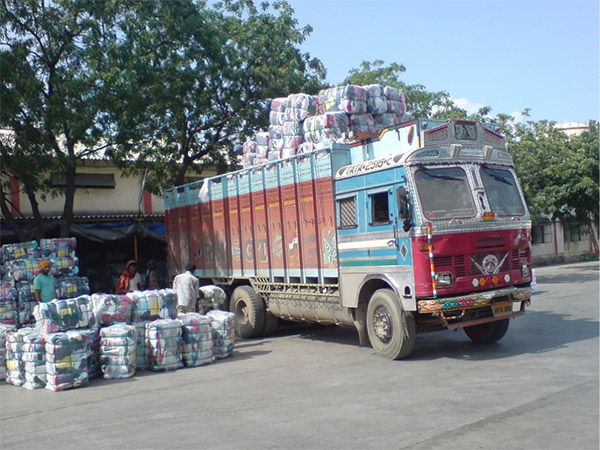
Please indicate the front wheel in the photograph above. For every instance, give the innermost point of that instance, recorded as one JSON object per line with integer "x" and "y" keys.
{"x": 249, "y": 311}
{"x": 487, "y": 333}
{"x": 391, "y": 330}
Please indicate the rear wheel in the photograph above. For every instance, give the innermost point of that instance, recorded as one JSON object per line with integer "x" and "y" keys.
{"x": 391, "y": 330}
{"x": 271, "y": 322}
{"x": 249, "y": 311}
{"x": 487, "y": 333}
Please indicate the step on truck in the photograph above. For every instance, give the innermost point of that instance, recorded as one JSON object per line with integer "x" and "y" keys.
{"x": 424, "y": 228}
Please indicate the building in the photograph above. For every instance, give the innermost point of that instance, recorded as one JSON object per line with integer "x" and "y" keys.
{"x": 115, "y": 220}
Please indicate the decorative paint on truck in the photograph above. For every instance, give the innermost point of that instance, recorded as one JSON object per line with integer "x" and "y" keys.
{"x": 422, "y": 229}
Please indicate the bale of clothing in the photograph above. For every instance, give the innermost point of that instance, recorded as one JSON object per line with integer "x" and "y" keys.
{"x": 300, "y": 123}
{"x": 223, "y": 332}
{"x": 118, "y": 351}
{"x": 197, "y": 336}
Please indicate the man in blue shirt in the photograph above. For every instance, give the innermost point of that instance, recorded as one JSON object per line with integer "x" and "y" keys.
{"x": 44, "y": 284}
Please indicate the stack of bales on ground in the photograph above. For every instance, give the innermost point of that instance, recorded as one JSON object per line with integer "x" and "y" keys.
{"x": 301, "y": 123}
{"x": 21, "y": 264}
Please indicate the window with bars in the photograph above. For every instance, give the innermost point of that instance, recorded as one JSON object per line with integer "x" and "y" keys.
{"x": 541, "y": 234}
{"x": 347, "y": 208}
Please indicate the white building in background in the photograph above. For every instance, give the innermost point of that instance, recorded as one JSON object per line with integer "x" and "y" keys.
{"x": 572, "y": 128}
{"x": 556, "y": 242}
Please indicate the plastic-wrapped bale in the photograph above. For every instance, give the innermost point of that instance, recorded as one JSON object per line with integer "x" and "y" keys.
{"x": 262, "y": 151}
{"x": 223, "y": 332}
{"x": 66, "y": 360}
{"x": 329, "y": 126}
{"x": 349, "y": 99}
{"x": 274, "y": 155}
{"x": 8, "y": 304}
{"x": 145, "y": 305}
{"x": 118, "y": 351}
{"x": 64, "y": 267}
{"x": 141, "y": 362}
{"x": 299, "y": 106}
{"x": 247, "y": 159}
{"x": 197, "y": 339}
{"x": 26, "y": 302}
{"x": 33, "y": 357}
{"x": 396, "y": 101}
{"x": 275, "y": 132}
{"x": 362, "y": 124}
{"x": 306, "y": 147}
{"x": 4, "y": 330}
{"x": 22, "y": 269}
{"x": 64, "y": 314}
{"x": 376, "y": 99}
{"x": 93, "y": 351}
{"x": 276, "y": 118}
{"x": 15, "y": 373}
{"x": 275, "y": 145}
{"x": 71, "y": 287}
{"x": 387, "y": 120}
{"x": 60, "y": 247}
{"x": 279, "y": 104}
{"x": 111, "y": 308}
{"x": 164, "y": 344}
{"x": 168, "y": 303}
{"x": 21, "y": 250}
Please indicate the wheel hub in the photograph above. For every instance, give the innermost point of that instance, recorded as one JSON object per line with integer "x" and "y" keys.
{"x": 382, "y": 324}
{"x": 241, "y": 313}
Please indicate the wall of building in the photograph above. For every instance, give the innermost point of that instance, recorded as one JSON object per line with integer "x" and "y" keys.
{"x": 555, "y": 242}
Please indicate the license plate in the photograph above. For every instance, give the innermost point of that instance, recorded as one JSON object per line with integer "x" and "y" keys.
{"x": 502, "y": 309}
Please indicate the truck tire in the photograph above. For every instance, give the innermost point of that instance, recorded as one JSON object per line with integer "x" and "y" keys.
{"x": 271, "y": 322}
{"x": 487, "y": 333}
{"x": 391, "y": 330}
{"x": 249, "y": 311}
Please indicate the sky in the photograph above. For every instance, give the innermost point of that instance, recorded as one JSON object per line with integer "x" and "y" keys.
{"x": 505, "y": 54}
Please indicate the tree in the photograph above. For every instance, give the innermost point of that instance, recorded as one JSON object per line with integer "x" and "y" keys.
{"x": 559, "y": 174}
{"x": 419, "y": 102}
{"x": 199, "y": 80}
{"x": 50, "y": 94}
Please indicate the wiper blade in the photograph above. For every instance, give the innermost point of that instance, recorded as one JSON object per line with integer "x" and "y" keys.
{"x": 442, "y": 177}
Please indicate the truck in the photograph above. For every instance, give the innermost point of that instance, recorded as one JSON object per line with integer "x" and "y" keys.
{"x": 422, "y": 228}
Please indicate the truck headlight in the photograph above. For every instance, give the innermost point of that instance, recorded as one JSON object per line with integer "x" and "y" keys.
{"x": 525, "y": 270}
{"x": 444, "y": 279}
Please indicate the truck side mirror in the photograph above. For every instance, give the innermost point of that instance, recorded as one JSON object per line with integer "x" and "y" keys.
{"x": 404, "y": 211}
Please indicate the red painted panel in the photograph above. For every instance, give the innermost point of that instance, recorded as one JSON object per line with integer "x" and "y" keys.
{"x": 196, "y": 243}
{"x": 274, "y": 214}
{"x": 259, "y": 219}
{"x": 147, "y": 202}
{"x": 290, "y": 227}
{"x": 326, "y": 223}
{"x": 458, "y": 252}
{"x": 308, "y": 220}
{"x": 219, "y": 235}
{"x": 246, "y": 233}
{"x": 207, "y": 253}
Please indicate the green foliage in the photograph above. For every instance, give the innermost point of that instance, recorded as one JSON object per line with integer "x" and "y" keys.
{"x": 419, "y": 101}
{"x": 196, "y": 80}
{"x": 559, "y": 174}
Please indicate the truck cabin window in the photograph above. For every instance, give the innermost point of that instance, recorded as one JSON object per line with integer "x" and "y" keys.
{"x": 502, "y": 192}
{"x": 347, "y": 212}
{"x": 380, "y": 210}
{"x": 445, "y": 193}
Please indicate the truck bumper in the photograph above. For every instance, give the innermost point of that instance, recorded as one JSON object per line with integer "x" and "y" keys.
{"x": 475, "y": 300}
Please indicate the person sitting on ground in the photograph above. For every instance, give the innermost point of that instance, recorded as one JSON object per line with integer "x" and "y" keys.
{"x": 186, "y": 286}
{"x": 130, "y": 280}
{"x": 44, "y": 284}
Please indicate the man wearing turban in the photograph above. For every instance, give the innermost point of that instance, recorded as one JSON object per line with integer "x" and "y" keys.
{"x": 44, "y": 284}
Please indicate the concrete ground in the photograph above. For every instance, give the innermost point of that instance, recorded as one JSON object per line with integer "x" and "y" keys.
{"x": 315, "y": 388}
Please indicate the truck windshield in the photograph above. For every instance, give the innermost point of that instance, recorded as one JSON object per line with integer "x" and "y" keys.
{"x": 445, "y": 193}
{"x": 502, "y": 192}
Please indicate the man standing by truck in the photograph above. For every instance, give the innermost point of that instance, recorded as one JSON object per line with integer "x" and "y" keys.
{"x": 187, "y": 288}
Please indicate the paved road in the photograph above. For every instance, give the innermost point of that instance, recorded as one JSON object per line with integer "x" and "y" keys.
{"x": 313, "y": 387}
